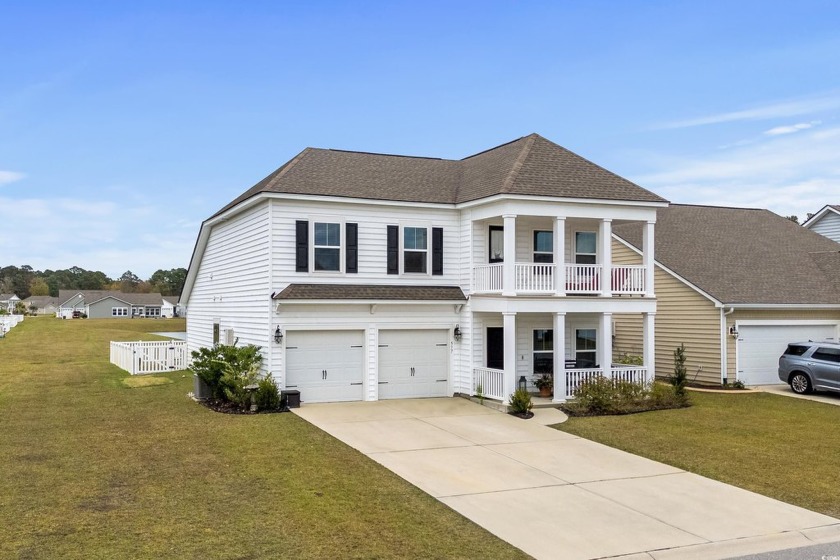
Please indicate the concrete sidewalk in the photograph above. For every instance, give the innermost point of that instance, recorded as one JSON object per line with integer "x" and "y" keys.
{"x": 555, "y": 495}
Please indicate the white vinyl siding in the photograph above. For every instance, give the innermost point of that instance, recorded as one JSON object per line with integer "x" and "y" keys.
{"x": 829, "y": 226}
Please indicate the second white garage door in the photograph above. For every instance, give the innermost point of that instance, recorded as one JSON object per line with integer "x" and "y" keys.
{"x": 759, "y": 348}
{"x": 413, "y": 363}
{"x": 325, "y": 366}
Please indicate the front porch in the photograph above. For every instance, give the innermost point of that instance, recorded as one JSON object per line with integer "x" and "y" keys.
{"x": 511, "y": 350}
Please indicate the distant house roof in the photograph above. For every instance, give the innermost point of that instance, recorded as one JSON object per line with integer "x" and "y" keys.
{"x": 827, "y": 209}
{"x": 530, "y": 165}
{"x": 171, "y": 299}
{"x": 92, "y": 296}
{"x": 41, "y": 301}
{"x": 7, "y": 297}
{"x": 743, "y": 256}
{"x": 369, "y": 292}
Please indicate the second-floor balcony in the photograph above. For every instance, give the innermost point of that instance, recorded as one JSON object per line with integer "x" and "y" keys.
{"x": 571, "y": 279}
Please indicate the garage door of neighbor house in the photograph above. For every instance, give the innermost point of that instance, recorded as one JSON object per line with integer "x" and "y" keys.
{"x": 759, "y": 348}
{"x": 413, "y": 363}
{"x": 325, "y": 366}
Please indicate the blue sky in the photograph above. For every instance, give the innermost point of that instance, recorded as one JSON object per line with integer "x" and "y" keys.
{"x": 124, "y": 125}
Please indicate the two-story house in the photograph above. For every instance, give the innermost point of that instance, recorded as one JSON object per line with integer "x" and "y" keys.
{"x": 368, "y": 276}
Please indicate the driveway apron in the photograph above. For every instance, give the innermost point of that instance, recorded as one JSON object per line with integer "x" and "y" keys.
{"x": 557, "y": 496}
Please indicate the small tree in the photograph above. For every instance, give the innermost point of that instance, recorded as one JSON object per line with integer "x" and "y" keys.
{"x": 680, "y": 376}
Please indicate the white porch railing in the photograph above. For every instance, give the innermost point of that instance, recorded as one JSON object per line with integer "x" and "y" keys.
{"x": 487, "y": 278}
{"x": 576, "y": 377}
{"x": 628, "y": 279}
{"x": 492, "y": 382}
{"x": 534, "y": 278}
{"x": 149, "y": 357}
{"x": 583, "y": 278}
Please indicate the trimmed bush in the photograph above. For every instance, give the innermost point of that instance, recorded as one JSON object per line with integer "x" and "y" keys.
{"x": 268, "y": 394}
{"x": 602, "y": 396}
{"x": 520, "y": 402}
{"x": 210, "y": 364}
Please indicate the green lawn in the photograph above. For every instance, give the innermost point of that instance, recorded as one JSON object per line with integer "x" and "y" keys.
{"x": 92, "y": 468}
{"x": 785, "y": 448}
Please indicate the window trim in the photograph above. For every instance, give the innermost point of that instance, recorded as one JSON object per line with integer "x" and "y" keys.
{"x": 342, "y": 243}
{"x": 427, "y": 250}
{"x": 490, "y": 230}
{"x": 119, "y": 311}
{"x": 576, "y": 253}
{"x": 534, "y": 251}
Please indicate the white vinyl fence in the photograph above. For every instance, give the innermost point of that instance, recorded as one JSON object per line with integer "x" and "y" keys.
{"x": 149, "y": 357}
{"x": 7, "y": 322}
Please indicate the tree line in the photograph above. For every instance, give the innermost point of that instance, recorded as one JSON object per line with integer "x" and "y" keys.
{"x": 25, "y": 281}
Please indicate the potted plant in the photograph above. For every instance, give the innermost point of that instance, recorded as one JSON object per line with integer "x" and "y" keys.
{"x": 545, "y": 383}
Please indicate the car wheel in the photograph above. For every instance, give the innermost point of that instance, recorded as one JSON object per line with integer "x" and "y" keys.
{"x": 800, "y": 383}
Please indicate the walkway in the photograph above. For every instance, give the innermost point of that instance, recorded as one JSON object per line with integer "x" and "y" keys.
{"x": 555, "y": 495}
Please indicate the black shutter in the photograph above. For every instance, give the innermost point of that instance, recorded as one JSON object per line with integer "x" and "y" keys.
{"x": 393, "y": 250}
{"x": 351, "y": 254}
{"x": 301, "y": 246}
{"x": 437, "y": 251}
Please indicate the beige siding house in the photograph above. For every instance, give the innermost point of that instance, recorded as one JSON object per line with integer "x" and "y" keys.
{"x": 735, "y": 286}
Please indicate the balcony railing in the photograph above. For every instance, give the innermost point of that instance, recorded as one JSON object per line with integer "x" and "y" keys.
{"x": 540, "y": 278}
{"x": 577, "y": 377}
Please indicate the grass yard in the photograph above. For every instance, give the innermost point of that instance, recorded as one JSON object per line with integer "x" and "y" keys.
{"x": 94, "y": 468}
{"x": 785, "y": 448}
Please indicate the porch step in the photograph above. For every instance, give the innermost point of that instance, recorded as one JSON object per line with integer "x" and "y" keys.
{"x": 538, "y": 402}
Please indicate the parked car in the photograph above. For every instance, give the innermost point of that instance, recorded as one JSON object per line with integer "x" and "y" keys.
{"x": 809, "y": 366}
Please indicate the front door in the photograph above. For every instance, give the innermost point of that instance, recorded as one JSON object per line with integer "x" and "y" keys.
{"x": 496, "y": 347}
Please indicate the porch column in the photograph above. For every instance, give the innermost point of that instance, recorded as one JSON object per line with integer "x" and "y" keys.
{"x": 647, "y": 257}
{"x": 605, "y": 343}
{"x": 605, "y": 234}
{"x": 510, "y": 353}
{"x": 559, "y": 357}
{"x": 508, "y": 267}
{"x": 649, "y": 342}
{"x": 560, "y": 256}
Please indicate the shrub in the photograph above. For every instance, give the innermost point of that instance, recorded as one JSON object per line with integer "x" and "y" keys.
{"x": 602, "y": 396}
{"x": 268, "y": 394}
{"x": 235, "y": 379}
{"x": 680, "y": 377}
{"x": 209, "y": 364}
{"x": 520, "y": 402}
{"x": 631, "y": 360}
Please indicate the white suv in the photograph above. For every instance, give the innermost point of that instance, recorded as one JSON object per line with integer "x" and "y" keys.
{"x": 810, "y": 366}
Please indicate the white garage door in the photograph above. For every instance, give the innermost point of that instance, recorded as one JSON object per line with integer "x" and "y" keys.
{"x": 413, "y": 363}
{"x": 759, "y": 348}
{"x": 325, "y": 366}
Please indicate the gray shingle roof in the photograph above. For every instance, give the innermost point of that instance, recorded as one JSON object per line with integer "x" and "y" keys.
{"x": 370, "y": 292}
{"x": 530, "y": 165}
{"x": 746, "y": 256}
{"x": 91, "y": 296}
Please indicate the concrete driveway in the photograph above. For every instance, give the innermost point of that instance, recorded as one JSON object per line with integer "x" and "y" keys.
{"x": 555, "y": 495}
{"x": 785, "y": 390}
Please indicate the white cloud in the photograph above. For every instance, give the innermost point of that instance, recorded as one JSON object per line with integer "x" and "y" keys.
{"x": 10, "y": 177}
{"x": 791, "y": 128}
{"x": 780, "y": 109}
{"x": 786, "y": 173}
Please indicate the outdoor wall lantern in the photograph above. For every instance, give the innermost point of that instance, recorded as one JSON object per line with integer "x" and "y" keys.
{"x": 523, "y": 383}
{"x": 733, "y": 332}
{"x": 278, "y": 335}
{"x": 457, "y": 333}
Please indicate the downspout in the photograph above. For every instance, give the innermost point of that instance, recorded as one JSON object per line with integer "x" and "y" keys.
{"x": 723, "y": 344}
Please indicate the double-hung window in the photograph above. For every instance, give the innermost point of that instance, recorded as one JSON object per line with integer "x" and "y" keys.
{"x": 327, "y": 246}
{"x": 119, "y": 311}
{"x": 585, "y": 252}
{"x": 415, "y": 249}
{"x": 543, "y": 351}
{"x": 543, "y": 246}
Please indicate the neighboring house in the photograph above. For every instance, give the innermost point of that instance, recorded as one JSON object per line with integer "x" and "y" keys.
{"x": 8, "y": 302}
{"x": 368, "y": 276}
{"x": 826, "y": 222}
{"x": 43, "y": 305}
{"x": 734, "y": 285}
{"x": 100, "y": 304}
{"x": 169, "y": 307}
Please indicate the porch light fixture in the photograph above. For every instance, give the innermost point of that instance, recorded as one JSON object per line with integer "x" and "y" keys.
{"x": 278, "y": 335}
{"x": 523, "y": 383}
{"x": 457, "y": 333}
{"x": 733, "y": 332}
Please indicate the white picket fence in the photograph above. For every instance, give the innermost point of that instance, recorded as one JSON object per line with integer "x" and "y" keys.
{"x": 7, "y": 322}
{"x": 149, "y": 357}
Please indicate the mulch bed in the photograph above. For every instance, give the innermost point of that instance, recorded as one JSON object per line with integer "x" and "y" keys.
{"x": 523, "y": 415}
{"x": 584, "y": 413}
{"x": 226, "y": 407}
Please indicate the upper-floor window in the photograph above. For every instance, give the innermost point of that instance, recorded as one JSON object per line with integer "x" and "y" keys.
{"x": 585, "y": 252}
{"x": 327, "y": 246}
{"x": 543, "y": 246}
{"x": 415, "y": 249}
{"x": 497, "y": 244}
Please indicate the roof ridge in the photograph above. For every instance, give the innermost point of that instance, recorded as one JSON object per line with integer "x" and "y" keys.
{"x": 285, "y": 169}
{"x": 681, "y": 204}
{"x": 497, "y": 147}
{"x": 382, "y": 154}
{"x": 520, "y": 160}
